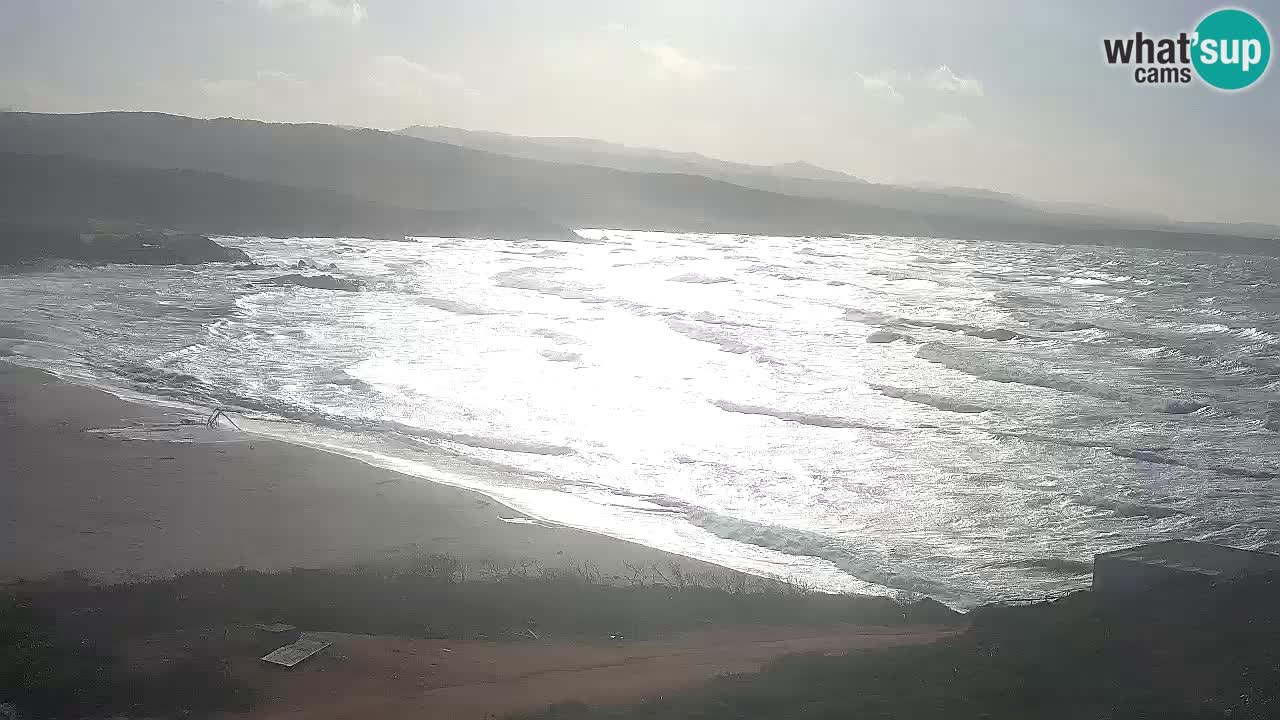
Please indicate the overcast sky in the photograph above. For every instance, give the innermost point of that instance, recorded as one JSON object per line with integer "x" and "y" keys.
{"x": 1010, "y": 96}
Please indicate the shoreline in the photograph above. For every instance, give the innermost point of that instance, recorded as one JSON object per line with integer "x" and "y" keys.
{"x": 116, "y": 508}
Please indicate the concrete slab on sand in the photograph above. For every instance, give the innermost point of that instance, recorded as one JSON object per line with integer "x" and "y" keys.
{"x": 296, "y": 652}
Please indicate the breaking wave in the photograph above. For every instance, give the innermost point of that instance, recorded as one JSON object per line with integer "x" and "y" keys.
{"x": 1155, "y": 456}
{"x": 1057, "y": 566}
{"x": 791, "y": 541}
{"x": 1124, "y": 509}
{"x": 961, "y": 361}
{"x": 482, "y": 442}
{"x": 868, "y": 317}
{"x": 560, "y": 356}
{"x": 535, "y": 279}
{"x": 453, "y": 306}
{"x": 1062, "y": 326}
{"x": 823, "y": 421}
{"x": 556, "y": 336}
{"x": 987, "y": 333}
{"x": 699, "y": 279}
{"x": 935, "y": 401}
{"x": 697, "y": 332}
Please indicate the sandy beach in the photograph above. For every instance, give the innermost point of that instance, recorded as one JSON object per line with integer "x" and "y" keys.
{"x": 115, "y": 508}
{"x": 371, "y": 677}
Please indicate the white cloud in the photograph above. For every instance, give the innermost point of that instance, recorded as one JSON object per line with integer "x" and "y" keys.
{"x": 395, "y": 76}
{"x": 280, "y": 79}
{"x": 880, "y": 85}
{"x": 887, "y": 84}
{"x": 615, "y": 27}
{"x": 352, "y": 11}
{"x": 266, "y": 83}
{"x": 943, "y": 125}
{"x": 671, "y": 62}
{"x": 944, "y": 79}
{"x": 223, "y": 88}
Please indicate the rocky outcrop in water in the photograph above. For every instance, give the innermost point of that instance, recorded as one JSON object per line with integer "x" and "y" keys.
{"x": 309, "y": 264}
{"x": 319, "y": 282}
{"x": 28, "y": 242}
{"x": 158, "y": 248}
{"x": 883, "y": 336}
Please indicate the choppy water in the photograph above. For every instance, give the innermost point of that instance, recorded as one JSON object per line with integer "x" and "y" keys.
{"x": 962, "y": 419}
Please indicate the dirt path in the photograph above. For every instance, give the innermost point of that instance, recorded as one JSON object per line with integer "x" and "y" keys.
{"x": 368, "y": 677}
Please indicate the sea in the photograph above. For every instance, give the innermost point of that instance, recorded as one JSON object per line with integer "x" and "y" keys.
{"x": 965, "y": 420}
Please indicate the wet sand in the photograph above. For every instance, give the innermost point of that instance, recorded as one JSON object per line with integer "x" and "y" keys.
{"x": 116, "y": 508}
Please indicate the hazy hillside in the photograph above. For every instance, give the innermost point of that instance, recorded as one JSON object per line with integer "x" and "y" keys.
{"x": 795, "y": 178}
{"x": 587, "y": 151}
{"x": 54, "y": 190}
{"x": 801, "y": 178}
{"x": 809, "y": 171}
{"x": 1261, "y": 230}
{"x": 407, "y": 173}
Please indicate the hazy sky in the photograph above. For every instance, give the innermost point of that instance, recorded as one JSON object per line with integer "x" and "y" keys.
{"x": 1012, "y": 96}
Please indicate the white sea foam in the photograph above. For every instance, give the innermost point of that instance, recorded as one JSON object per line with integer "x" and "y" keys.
{"x": 803, "y": 418}
{"x": 699, "y": 279}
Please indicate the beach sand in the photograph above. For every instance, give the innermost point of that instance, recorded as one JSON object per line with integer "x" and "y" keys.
{"x": 117, "y": 508}
{"x": 393, "y": 678}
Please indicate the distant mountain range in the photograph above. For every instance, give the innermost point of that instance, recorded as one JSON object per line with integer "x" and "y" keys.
{"x": 802, "y": 178}
{"x": 796, "y": 178}
{"x": 248, "y": 176}
{"x": 585, "y": 151}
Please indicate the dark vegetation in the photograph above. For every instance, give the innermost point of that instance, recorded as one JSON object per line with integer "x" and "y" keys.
{"x": 53, "y": 669}
{"x": 370, "y": 174}
{"x": 69, "y": 648}
{"x": 1182, "y": 653}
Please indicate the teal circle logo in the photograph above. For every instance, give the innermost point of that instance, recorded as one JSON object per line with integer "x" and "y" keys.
{"x": 1232, "y": 49}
